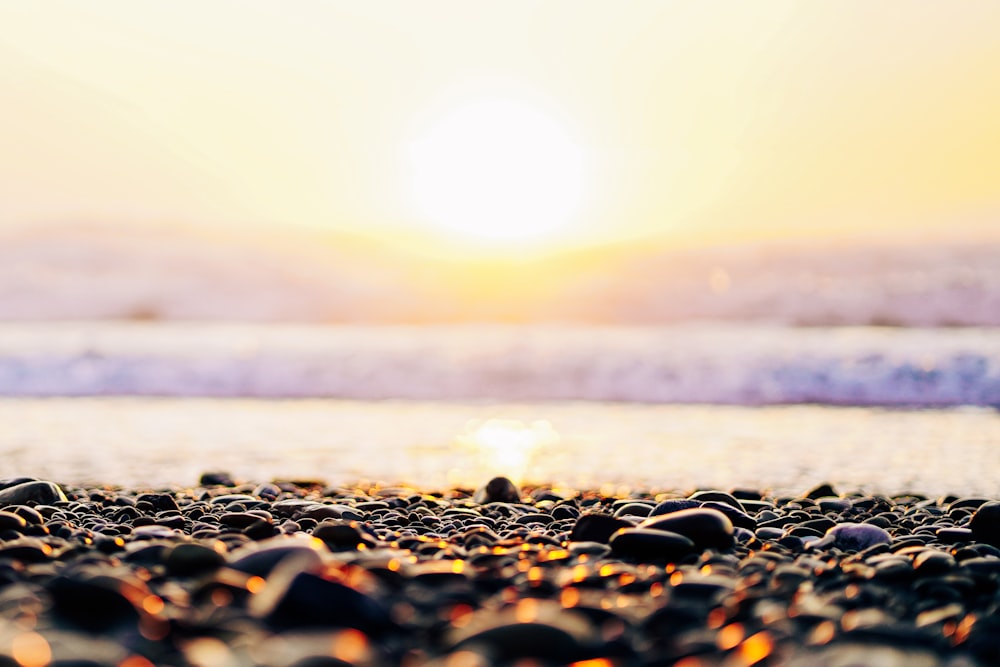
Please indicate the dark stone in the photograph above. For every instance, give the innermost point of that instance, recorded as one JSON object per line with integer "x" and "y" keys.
{"x": 216, "y": 478}
{"x": 835, "y": 505}
{"x": 332, "y": 511}
{"x": 260, "y": 558}
{"x": 769, "y": 533}
{"x": 534, "y": 517}
{"x": 718, "y": 497}
{"x": 340, "y": 536}
{"x": 161, "y": 502}
{"x": 297, "y": 598}
{"x": 954, "y": 535}
{"x": 26, "y": 550}
{"x": 29, "y": 514}
{"x": 38, "y": 492}
{"x": 737, "y": 516}
{"x": 185, "y": 560}
{"x": 824, "y": 490}
{"x": 707, "y": 528}
{"x": 596, "y": 528}
{"x": 241, "y": 520}
{"x": 967, "y": 503}
{"x": 674, "y": 505}
{"x": 754, "y": 506}
{"x": 985, "y": 523}
{"x": 646, "y": 543}
{"x": 634, "y": 509}
{"x": 498, "y": 490}
{"x": 531, "y": 629}
{"x": 932, "y": 562}
{"x": 12, "y": 521}
{"x": 94, "y": 604}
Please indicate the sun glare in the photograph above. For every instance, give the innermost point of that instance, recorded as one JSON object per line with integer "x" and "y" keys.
{"x": 498, "y": 170}
{"x": 507, "y": 446}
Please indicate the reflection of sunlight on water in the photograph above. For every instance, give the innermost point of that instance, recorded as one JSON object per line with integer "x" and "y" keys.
{"x": 506, "y": 446}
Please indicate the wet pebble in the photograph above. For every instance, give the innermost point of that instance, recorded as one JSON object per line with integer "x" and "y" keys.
{"x": 853, "y": 537}
{"x": 299, "y": 572}
{"x": 707, "y": 528}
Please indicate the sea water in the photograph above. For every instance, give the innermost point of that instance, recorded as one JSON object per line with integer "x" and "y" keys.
{"x": 667, "y": 407}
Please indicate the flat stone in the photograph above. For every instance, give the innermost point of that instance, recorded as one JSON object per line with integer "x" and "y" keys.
{"x": 707, "y": 528}
{"x": 985, "y": 523}
{"x": 673, "y": 505}
{"x": 646, "y": 543}
{"x": 597, "y": 527}
{"x": 718, "y": 497}
{"x": 853, "y": 537}
{"x": 293, "y": 597}
{"x": 38, "y": 492}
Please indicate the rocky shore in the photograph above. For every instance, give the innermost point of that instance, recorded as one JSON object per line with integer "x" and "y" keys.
{"x": 296, "y": 573}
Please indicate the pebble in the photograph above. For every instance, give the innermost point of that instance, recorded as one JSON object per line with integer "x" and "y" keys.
{"x": 853, "y": 537}
{"x": 299, "y": 573}
{"x": 33, "y": 491}
{"x": 985, "y": 523}
{"x": 498, "y": 490}
{"x": 707, "y": 528}
{"x": 646, "y": 543}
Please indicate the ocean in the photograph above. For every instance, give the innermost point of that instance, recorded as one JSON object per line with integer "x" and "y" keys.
{"x": 671, "y": 407}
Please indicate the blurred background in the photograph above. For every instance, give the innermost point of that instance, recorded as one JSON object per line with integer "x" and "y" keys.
{"x": 808, "y": 164}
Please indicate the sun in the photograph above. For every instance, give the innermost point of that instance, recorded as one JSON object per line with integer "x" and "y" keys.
{"x": 498, "y": 170}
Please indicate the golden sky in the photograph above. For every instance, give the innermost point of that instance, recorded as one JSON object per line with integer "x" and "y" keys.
{"x": 695, "y": 120}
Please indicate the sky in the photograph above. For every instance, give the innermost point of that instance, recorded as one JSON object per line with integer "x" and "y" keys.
{"x": 504, "y": 124}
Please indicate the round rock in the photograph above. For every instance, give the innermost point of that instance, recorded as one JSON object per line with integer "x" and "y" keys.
{"x": 985, "y": 523}
{"x": 853, "y": 537}
{"x": 707, "y": 528}
{"x": 646, "y": 543}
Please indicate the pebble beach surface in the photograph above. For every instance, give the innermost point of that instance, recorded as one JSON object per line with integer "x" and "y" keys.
{"x": 301, "y": 573}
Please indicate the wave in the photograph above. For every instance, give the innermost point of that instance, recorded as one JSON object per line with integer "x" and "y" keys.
{"x": 691, "y": 363}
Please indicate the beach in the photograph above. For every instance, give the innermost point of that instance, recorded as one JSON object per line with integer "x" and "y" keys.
{"x": 299, "y": 573}
{"x": 192, "y": 494}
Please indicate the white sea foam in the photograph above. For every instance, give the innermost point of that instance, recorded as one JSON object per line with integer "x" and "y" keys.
{"x": 693, "y": 363}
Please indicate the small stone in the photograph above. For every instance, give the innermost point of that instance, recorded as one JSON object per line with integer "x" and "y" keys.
{"x": 985, "y": 523}
{"x": 38, "y": 492}
{"x": 596, "y": 528}
{"x": 161, "y": 502}
{"x": 707, "y": 528}
{"x": 954, "y": 535}
{"x": 833, "y": 504}
{"x": 646, "y": 543}
{"x": 498, "y": 490}
{"x": 673, "y": 505}
{"x": 634, "y": 509}
{"x": 296, "y": 598}
{"x": 532, "y": 628}
{"x": 932, "y": 562}
{"x": 93, "y": 603}
{"x": 260, "y": 558}
{"x": 216, "y": 478}
{"x": 342, "y": 536}
{"x": 823, "y": 490}
{"x": 716, "y": 496}
{"x": 739, "y": 518}
{"x": 184, "y": 560}
{"x": 12, "y": 521}
{"x": 968, "y": 503}
{"x": 331, "y": 511}
{"x": 853, "y": 537}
